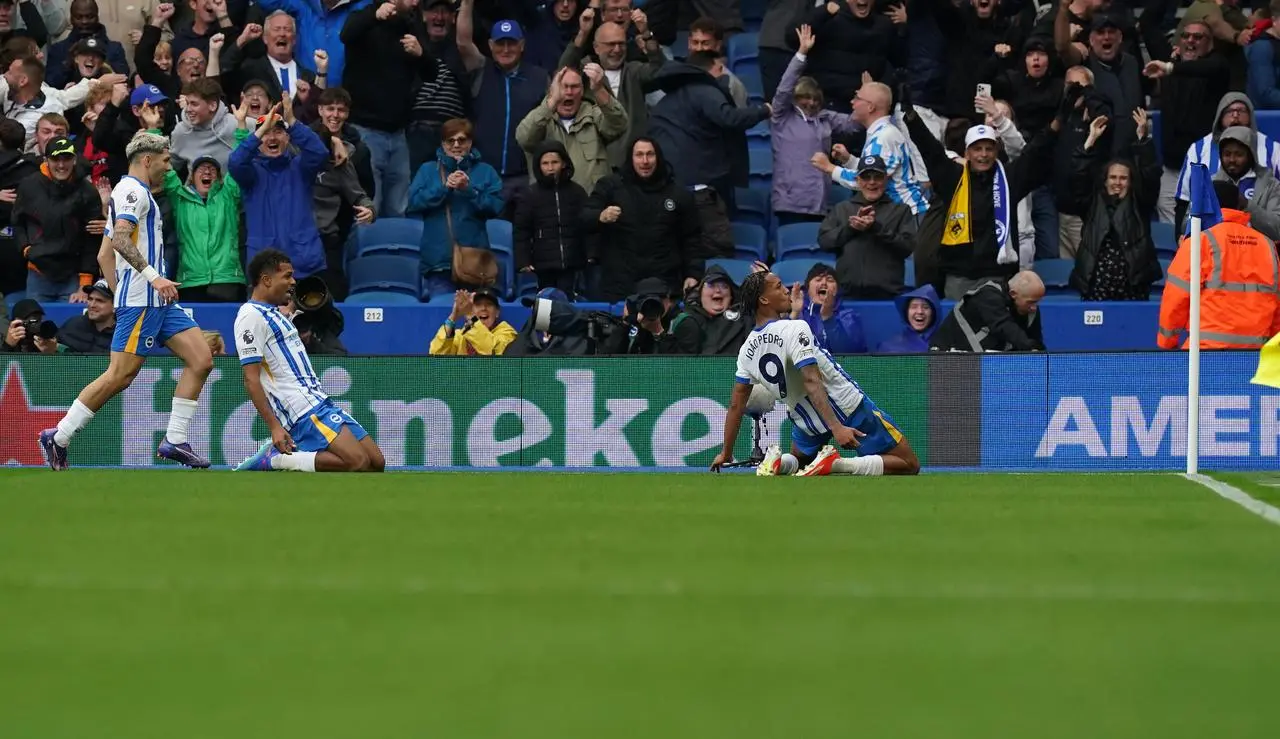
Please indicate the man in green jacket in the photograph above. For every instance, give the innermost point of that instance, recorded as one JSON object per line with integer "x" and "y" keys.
{"x": 207, "y": 211}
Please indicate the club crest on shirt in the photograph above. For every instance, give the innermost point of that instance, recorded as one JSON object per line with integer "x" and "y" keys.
{"x": 669, "y": 204}
{"x": 732, "y": 315}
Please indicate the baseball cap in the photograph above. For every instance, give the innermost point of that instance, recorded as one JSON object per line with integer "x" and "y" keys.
{"x": 979, "y": 133}
{"x": 546, "y": 293}
{"x": 506, "y": 29}
{"x": 147, "y": 94}
{"x": 99, "y": 287}
{"x": 249, "y": 84}
{"x": 263, "y": 119}
{"x": 716, "y": 273}
{"x": 872, "y": 163}
{"x": 60, "y": 147}
{"x": 486, "y": 293}
{"x": 1101, "y": 21}
{"x": 26, "y": 308}
{"x": 205, "y": 160}
{"x": 90, "y": 46}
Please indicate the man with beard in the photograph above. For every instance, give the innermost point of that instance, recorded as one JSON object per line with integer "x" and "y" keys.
{"x": 1258, "y": 186}
{"x": 85, "y": 25}
{"x": 277, "y": 185}
{"x": 91, "y": 331}
{"x": 626, "y": 79}
{"x": 504, "y": 89}
{"x": 1117, "y": 74}
{"x": 58, "y": 222}
{"x": 648, "y": 224}
{"x": 207, "y": 212}
{"x": 1197, "y": 74}
{"x": 710, "y": 324}
{"x": 1234, "y": 109}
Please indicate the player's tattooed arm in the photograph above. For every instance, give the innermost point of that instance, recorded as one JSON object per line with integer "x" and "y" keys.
{"x": 122, "y": 242}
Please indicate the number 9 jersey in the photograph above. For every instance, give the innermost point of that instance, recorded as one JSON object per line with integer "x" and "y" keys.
{"x": 774, "y": 355}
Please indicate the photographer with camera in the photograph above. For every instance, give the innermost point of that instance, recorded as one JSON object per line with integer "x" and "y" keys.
{"x": 648, "y": 315}
{"x": 318, "y": 320}
{"x": 711, "y": 322}
{"x": 29, "y": 332}
{"x": 556, "y": 329}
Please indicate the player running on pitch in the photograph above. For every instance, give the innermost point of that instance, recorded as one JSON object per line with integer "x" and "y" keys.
{"x": 823, "y": 401}
{"x": 284, "y": 388}
{"x": 147, "y": 314}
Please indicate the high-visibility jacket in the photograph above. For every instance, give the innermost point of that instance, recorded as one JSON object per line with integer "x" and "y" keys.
{"x": 1240, "y": 288}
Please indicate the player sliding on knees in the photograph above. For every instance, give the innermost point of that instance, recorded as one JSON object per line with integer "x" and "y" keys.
{"x": 823, "y": 402}
{"x": 147, "y": 315}
{"x": 278, "y": 376}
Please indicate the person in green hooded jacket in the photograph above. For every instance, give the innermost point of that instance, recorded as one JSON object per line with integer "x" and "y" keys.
{"x": 207, "y": 211}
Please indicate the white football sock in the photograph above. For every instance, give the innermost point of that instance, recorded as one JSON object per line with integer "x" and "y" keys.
{"x": 78, "y": 416}
{"x": 180, "y": 420}
{"x": 788, "y": 464}
{"x": 872, "y": 465}
{"x": 298, "y": 462}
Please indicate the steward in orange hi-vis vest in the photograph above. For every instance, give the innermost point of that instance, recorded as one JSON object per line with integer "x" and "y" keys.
{"x": 1240, "y": 288}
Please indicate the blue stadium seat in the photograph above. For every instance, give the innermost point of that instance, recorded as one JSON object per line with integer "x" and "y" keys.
{"x": 797, "y": 240}
{"x": 759, "y": 131}
{"x": 381, "y": 297}
{"x": 753, "y": 207}
{"x": 909, "y": 272}
{"x": 751, "y": 79}
{"x": 1158, "y": 285}
{"x": 392, "y": 236}
{"x": 837, "y": 194}
{"x": 791, "y": 271}
{"x": 385, "y": 274}
{"x": 1164, "y": 237}
{"x": 738, "y": 269}
{"x": 761, "y": 167}
{"x": 1056, "y": 273}
{"x": 743, "y": 47}
{"x": 500, "y": 235}
{"x": 750, "y": 241}
{"x": 526, "y": 285}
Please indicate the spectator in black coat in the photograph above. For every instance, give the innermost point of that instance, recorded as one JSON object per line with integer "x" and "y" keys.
{"x": 333, "y": 109}
{"x": 1116, "y": 260}
{"x": 648, "y": 224}
{"x": 117, "y": 123}
{"x": 974, "y": 32}
{"x": 91, "y": 332}
{"x": 14, "y": 168}
{"x": 852, "y": 39}
{"x": 547, "y": 229}
{"x": 58, "y": 220}
{"x": 84, "y": 26}
{"x": 1033, "y": 87}
{"x": 996, "y": 315}
{"x": 705, "y": 135}
{"x": 711, "y": 322}
{"x": 35, "y": 29}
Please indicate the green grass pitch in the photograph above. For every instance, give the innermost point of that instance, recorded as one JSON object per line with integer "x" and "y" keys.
{"x": 187, "y": 605}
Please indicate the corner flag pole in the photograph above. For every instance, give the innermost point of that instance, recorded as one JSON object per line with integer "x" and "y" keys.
{"x": 1193, "y": 353}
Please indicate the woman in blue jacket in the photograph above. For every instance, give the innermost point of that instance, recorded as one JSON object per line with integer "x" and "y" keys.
{"x": 454, "y": 195}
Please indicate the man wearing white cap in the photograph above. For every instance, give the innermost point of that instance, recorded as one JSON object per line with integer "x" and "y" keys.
{"x": 980, "y": 195}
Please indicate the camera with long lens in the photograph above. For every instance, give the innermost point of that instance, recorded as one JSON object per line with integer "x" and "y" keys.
{"x": 564, "y": 319}
{"x": 35, "y": 327}
{"x": 649, "y": 306}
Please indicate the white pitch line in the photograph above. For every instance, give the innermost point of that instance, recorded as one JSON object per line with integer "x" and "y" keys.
{"x": 1239, "y": 497}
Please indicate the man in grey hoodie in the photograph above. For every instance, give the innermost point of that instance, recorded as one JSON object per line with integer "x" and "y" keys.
{"x": 1235, "y": 109}
{"x": 206, "y": 128}
{"x": 1259, "y": 188}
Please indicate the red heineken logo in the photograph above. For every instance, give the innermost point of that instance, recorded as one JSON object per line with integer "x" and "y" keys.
{"x": 23, "y": 422}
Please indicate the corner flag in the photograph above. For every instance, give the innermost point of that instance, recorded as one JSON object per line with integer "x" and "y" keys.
{"x": 1204, "y": 201}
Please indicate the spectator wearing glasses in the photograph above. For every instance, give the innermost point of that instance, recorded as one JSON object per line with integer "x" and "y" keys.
{"x": 586, "y": 126}
{"x": 454, "y": 195}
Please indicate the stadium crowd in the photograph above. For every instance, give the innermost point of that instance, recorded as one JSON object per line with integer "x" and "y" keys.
{"x": 651, "y": 155}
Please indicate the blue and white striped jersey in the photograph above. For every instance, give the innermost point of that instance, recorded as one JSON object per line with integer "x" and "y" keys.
{"x": 264, "y": 335}
{"x": 131, "y": 201}
{"x": 886, "y": 141}
{"x": 774, "y": 355}
{"x": 1266, "y": 153}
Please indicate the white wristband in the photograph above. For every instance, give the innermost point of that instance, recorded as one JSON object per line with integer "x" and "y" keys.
{"x": 150, "y": 274}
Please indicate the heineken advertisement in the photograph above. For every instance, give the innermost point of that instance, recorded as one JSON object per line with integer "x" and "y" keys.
{"x": 467, "y": 412}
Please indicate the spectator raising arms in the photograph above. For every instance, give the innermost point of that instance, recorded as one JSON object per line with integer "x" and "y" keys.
{"x": 277, "y": 186}
{"x": 817, "y": 303}
{"x": 547, "y": 228}
{"x": 648, "y": 225}
{"x": 207, "y": 212}
{"x": 454, "y": 195}
{"x": 852, "y": 39}
{"x": 585, "y": 126}
{"x": 1117, "y": 260}
{"x": 798, "y": 127}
